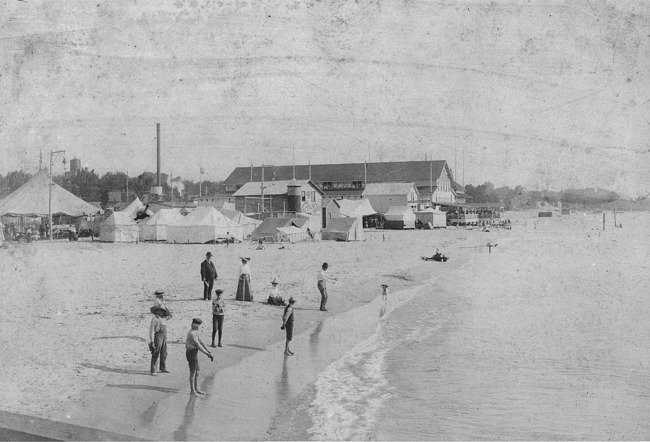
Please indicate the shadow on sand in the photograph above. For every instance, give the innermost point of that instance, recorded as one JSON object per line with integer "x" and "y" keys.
{"x": 115, "y": 370}
{"x": 135, "y": 338}
{"x": 144, "y": 387}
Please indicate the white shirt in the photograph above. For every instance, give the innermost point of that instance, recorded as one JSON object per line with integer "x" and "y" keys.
{"x": 275, "y": 292}
{"x": 322, "y": 276}
{"x": 245, "y": 270}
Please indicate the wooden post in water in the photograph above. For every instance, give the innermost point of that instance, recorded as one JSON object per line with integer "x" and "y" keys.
{"x": 603, "y": 220}
{"x": 615, "y": 225}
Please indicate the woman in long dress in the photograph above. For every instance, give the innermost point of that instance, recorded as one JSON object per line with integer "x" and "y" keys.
{"x": 244, "y": 292}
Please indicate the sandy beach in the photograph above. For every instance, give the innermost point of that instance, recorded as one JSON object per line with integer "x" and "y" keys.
{"x": 75, "y": 317}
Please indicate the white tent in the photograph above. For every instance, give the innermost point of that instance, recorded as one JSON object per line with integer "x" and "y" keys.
{"x": 249, "y": 224}
{"x": 155, "y": 229}
{"x": 133, "y": 208}
{"x": 292, "y": 233}
{"x": 343, "y": 229}
{"x": 355, "y": 208}
{"x": 437, "y": 218}
{"x": 399, "y": 217}
{"x": 119, "y": 227}
{"x": 202, "y": 225}
{"x": 33, "y": 199}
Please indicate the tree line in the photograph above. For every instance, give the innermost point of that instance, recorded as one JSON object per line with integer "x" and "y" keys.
{"x": 89, "y": 186}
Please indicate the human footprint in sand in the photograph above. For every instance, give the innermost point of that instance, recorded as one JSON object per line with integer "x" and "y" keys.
{"x": 194, "y": 344}
{"x": 287, "y": 324}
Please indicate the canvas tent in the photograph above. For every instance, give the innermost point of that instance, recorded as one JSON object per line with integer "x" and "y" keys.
{"x": 343, "y": 229}
{"x": 119, "y": 227}
{"x": 292, "y": 233}
{"x": 355, "y": 208}
{"x": 399, "y": 217}
{"x": 432, "y": 217}
{"x": 268, "y": 230}
{"x": 33, "y": 198}
{"x": 249, "y": 224}
{"x": 202, "y": 225}
{"x": 155, "y": 229}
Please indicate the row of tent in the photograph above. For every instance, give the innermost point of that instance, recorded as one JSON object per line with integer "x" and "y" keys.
{"x": 201, "y": 225}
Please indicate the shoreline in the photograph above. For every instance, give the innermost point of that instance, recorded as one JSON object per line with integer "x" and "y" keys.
{"x": 112, "y": 388}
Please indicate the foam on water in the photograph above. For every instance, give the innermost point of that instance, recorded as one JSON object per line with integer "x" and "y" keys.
{"x": 351, "y": 391}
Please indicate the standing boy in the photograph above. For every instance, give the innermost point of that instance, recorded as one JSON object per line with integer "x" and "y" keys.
{"x": 208, "y": 276}
{"x": 287, "y": 324}
{"x": 218, "y": 310}
{"x": 194, "y": 344}
{"x": 322, "y": 286}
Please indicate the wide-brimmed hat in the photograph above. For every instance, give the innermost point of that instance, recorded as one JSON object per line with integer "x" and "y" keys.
{"x": 384, "y": 285}
{"x": 159, "y": 292}
{"x": 275, "y": 281}
{"x": 197, "y": 321}
{"x": 156, "y": 308}
{"x": 292, "y": 300}
{"x": 244, "y": 258}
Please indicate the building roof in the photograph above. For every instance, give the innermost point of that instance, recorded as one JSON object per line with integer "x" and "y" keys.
{"x": 278, "y": 187}
{"x": 388, "y": 189}
{"x": 419, "y": 172}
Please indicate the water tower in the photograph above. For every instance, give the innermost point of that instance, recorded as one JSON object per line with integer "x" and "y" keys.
{"x": 75, "y": 166}
{"x": 293, "y": 197}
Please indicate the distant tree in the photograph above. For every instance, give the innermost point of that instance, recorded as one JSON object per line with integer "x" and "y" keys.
{"x": 12, "y": 181}
{"x": 84, "y": 184}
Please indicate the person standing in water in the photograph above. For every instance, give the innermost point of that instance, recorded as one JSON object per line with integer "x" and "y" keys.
{"x": 287, "y": 324}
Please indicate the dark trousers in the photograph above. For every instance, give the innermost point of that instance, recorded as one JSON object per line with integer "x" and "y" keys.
{"x": 217, "y": 326}
{"x": 207, "y": 288}
{"x": 323, "y": 294}
{"x": 160, "y": 350}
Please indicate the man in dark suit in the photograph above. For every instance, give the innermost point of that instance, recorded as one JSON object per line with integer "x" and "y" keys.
{"x": 208, "y": 275}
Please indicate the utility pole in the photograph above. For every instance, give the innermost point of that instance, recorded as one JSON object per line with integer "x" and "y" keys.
{"x": 49, "y": 217}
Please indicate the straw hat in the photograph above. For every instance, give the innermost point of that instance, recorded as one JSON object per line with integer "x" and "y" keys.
{"x": 159, "y": 292}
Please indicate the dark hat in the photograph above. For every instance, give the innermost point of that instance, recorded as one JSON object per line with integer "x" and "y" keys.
{"x": 291, "y": 300}
{"x": 384, "y": 285}
{"x": 159, "y": 292}
{"x": 325, "y": 264}
{"x": 197, "y": 321}
{"x": 218, "y": 291}
{"x": 275, "y": 281}
{"x": 208, "y": 254}
{"x": 156, "y": 309}
{"x": 244, "y": 258}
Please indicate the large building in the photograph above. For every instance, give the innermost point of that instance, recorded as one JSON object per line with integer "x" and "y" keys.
{"x": 279, "y": 197}
{"x": 433, "y": 179}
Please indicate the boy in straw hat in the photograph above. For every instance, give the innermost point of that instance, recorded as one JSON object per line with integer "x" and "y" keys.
{"x": 158, "y": 338}
{"x": 193, "y": 345}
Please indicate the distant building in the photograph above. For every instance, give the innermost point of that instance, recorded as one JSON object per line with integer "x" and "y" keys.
{"x": 433, "y": 179}
{"x": 114, "y": 196}
{"x": 384, "y": 195}
{"x": 279, "y": 197}
{"x": 216, "y": 200}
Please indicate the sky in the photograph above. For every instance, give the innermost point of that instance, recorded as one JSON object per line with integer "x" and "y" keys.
{"x": 544, "y": 94}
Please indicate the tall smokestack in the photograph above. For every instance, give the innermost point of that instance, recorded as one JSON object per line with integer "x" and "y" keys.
{"x": 158, "y": 155}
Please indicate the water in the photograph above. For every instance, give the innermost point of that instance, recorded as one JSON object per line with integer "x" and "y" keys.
{"x": 559, "y": 354}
